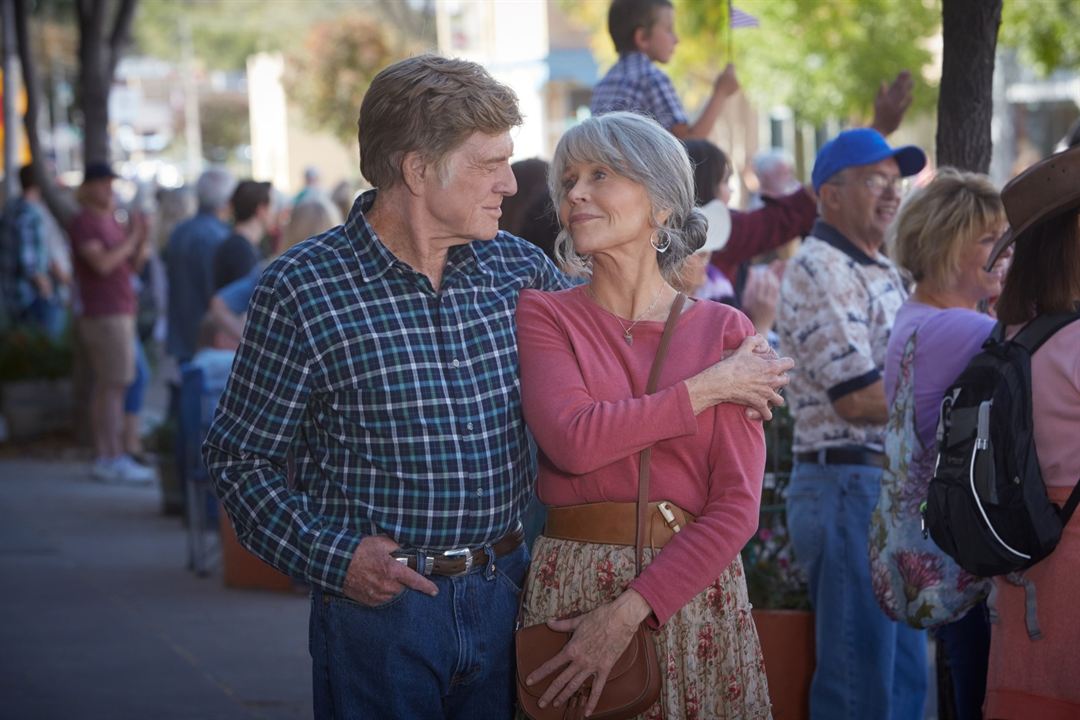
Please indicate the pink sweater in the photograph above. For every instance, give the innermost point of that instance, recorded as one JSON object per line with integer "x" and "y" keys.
{"x": 582, "y": 388}
{"x": 1055, "y": 406}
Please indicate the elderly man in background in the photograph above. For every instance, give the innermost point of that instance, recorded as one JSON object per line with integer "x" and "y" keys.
{"x": 189, "y": 259}
{"x": 839, "y": 297}
{"x": 381, "y": 358}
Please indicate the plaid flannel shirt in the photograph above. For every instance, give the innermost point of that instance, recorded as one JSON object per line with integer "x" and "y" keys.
{"x": 636, "y": 85}
{"x": 400, "y": 405}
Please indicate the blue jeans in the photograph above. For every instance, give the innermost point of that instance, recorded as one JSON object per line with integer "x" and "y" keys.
{"x": 449, "y": 656}
{"x": 967, "y": 649}
{"x": 136, "y": 391}
{"x": 868, "y": 666}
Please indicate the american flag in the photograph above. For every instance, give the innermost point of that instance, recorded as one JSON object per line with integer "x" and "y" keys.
{"x": 740, "y": 19}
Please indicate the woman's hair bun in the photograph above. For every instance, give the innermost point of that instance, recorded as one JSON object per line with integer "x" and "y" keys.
{"x": 694, "y": 230}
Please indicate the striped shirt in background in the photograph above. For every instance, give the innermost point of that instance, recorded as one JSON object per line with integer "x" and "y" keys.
{"x": 400, "y": 404}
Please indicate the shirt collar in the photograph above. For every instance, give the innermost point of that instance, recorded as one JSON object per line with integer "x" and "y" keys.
{"x": 376, "y": 260}
{"x": 635, "y": 59}
{"x": 828, "y": 234}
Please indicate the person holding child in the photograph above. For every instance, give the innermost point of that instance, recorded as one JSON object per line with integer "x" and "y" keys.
{"x": 644, "y": 34}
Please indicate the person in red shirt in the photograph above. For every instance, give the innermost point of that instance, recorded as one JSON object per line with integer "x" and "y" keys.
{"x": 105, "y": 256}
{"x": 624, "y": 190}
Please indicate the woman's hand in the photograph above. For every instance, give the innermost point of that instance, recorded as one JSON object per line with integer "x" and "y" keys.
{"x": 598, "y": 639}
{"x": 750, "y": 376}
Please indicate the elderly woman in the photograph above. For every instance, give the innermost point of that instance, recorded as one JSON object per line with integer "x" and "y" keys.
{"x": 1039, "y": 678}
{"x": 944, "y": 235}
{"x": 625, "y": 196}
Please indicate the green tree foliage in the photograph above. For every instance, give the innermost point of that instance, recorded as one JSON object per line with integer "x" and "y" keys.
{"x": 822, "y": 58}
{"x": 223, "y": 32}
{"x": 1047, "y": 32}
{"x": 340, "y": 57}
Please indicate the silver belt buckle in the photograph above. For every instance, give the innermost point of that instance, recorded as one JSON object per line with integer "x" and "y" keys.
{"x": 463, "y": 553}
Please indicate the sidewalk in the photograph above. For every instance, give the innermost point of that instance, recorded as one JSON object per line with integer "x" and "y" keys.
{"x": 100, "y": 619}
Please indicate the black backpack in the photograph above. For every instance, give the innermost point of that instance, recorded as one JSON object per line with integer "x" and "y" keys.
{"x": 987, "y": 506}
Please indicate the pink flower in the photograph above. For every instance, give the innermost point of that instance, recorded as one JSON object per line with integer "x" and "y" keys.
{"x": 605, "y": 576}
{"x": 918, "y": 571}
{"x": 879, "y": 578}
{"x": 706, "y": 647}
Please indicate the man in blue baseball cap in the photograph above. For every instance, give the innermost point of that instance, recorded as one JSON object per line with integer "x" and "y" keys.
{"x": 838, "y": 300}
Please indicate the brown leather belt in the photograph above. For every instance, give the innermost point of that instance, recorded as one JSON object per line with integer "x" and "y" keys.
{"x": 460, "y": 561}
{"x": 614, "y": 523}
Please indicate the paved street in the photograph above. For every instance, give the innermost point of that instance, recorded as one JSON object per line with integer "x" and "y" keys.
{"x": 100, "y": 619}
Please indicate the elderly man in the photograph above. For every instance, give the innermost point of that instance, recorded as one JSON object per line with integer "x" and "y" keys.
{"x": 380, "y": 358}
{"x": 189, "y": 259}
{"x": 838, "y": 300}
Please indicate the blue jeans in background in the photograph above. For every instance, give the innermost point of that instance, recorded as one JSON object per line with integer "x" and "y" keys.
{"x": 449, "y": 656}
{"x": 966, "y": 643}
{"x": 136, "y": 391}
{"x": 868, "y": 666}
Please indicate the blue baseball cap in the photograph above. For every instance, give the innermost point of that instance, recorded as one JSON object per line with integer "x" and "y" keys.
{"x": 862, "y": 146}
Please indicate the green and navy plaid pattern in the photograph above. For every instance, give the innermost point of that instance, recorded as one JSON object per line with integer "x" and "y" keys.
{"x": 400, "y": 405}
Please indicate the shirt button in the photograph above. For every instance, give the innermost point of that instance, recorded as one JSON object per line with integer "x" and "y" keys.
{"x": 455, "y": 363}
{"x": 479, "y": 491}
{"x": 468, "y": 426}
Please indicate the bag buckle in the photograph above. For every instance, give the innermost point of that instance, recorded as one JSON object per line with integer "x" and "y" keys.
{"x": 669, "y": 516}
{"x": 464, "y": 553}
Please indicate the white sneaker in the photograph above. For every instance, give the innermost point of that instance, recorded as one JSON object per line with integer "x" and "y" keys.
{"x": 132, "y": 473}
{"x": 104, "y": 469}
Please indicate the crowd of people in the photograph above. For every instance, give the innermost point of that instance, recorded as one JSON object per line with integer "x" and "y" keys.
{"x": 124, "y": 278}
{"x": 403, "y": 375}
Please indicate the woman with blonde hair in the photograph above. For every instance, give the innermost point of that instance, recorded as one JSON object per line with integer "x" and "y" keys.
{"x": 943, "y": 237}
{"x": 624, "y": 191}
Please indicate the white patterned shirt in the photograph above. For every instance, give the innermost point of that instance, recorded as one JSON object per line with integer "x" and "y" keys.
{"x": 837, "y": 307}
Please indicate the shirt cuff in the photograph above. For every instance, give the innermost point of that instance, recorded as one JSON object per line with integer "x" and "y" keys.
{"x": 660, "y": 614}
{"x": 856, "y": 383}
{"x": 329, "y": 558}
{"x": 686, "y": 409}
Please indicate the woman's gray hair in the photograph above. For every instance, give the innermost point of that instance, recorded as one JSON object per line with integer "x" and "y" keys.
{"x": 639, "y": 149}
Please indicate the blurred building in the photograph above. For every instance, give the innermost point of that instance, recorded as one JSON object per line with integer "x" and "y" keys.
{"x": 532, "y": 46}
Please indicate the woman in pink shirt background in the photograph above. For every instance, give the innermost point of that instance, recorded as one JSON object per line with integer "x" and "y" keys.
{"x": 624, "y": 192}
{"x": 1041, "y": 678}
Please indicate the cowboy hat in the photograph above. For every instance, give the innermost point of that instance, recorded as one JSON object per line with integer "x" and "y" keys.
{"x": 1045, "y": 190}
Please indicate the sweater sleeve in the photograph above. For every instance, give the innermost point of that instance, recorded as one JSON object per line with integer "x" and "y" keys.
{"x": 577, "y": 432}
{"x": 765, "y": 229}
{"x": 697, "y": 555}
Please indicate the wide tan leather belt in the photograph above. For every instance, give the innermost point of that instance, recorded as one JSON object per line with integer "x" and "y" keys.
{"x": 614, "y": 523}
{"x": 461, "y": 561}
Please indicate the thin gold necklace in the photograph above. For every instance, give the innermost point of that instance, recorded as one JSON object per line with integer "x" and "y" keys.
{"x": 627, "y": 336}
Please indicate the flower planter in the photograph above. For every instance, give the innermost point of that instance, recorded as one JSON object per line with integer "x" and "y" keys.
{"x": 243, "y": 570}
{"x": 35, "y": 407}
{"x": 787, "y": 643}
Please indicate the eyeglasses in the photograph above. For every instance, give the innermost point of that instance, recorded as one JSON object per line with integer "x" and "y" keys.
{"x": 876, "y": 184}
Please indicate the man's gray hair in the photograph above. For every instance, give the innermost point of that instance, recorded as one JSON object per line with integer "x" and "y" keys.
{"x": 769, "y": 160}
{"x": 639, "y": 149}
{"x": 214, "y": 188}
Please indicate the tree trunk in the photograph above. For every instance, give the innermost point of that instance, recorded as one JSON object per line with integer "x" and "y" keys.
{"x": 60, "y": 208}
{"x": 98, "y": 57}
{"x": 965, "y": 101}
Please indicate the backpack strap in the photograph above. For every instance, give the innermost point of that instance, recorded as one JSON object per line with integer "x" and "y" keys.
{"x": 1070, "y": 504}
{"x": 1035, "y": 333}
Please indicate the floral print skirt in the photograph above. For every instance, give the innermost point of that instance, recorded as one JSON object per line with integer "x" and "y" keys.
{"x": 709, "y": 652}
